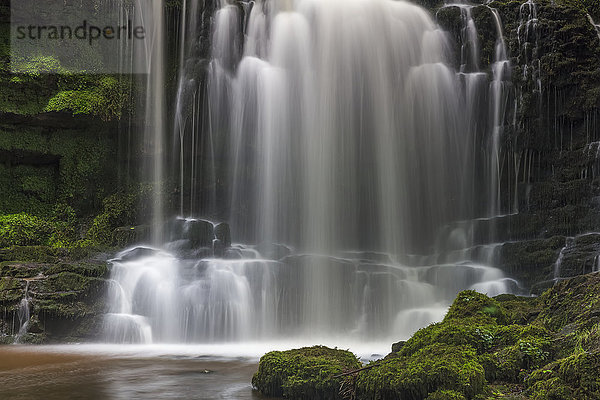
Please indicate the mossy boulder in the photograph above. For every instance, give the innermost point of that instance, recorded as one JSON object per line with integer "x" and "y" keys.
{"x": 455, "y": 333}
{"x": 435, "y": 368}
{"x": 482, "y": 340}
{"x": 306, "y": 373}
{"x": 472, "y": 304}
{"x": 519, "y": 310}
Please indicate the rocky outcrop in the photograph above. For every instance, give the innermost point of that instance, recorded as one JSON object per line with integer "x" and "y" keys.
{"x": 64, "y": 294}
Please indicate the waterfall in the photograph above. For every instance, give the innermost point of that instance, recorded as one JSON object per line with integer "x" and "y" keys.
{"x": 24, "y": 314}
{"x": 341, "y": 145}
{"x": 561, "y": 255}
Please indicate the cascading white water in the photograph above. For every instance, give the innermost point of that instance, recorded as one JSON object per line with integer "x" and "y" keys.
{"x": 594, "y": 24}
{"x": 332, "y": 141}
{"x": 499, "y": 105}
{"x": 162, "y": 299}
{"x": 24, "y": 314}
{"x": 561, "y": 255}
{"x": 337, "y": 128}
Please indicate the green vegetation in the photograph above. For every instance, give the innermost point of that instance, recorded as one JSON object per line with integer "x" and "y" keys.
{"x": 120, "y": 210}
{"x": 24, "y": 230}
{"x": 306, "y": 373}
{"x": 104, "y": 96}
{"x": 485, "y": 348}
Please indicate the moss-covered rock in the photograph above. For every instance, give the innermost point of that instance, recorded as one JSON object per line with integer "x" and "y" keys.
{"x": 472, "y": 304}
{"x": 431, "y": 369}
{"x": 574, "y": 377}
{"x": 455, "y": 333}
{"x": 518, "y": 309}
{"x": 306, "y": 373}
{"x": 65, "y": 289}
{"x": 573, "y": 303}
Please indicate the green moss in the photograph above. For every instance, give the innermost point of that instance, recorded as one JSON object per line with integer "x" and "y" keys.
{"x": 11, "y": 290}
{"x": 120, "y": 209}
{"x": 519, "y": 310}
{"x": 435, "y": 367}
{"x": 574, "y": 377}
{"x": 39, "y": 254}
{"x": 24, "y": 230}
{"x": 446, "y": 395}
{"x": 106, "y": 99}
{"x": 41, "y": 84}
{"x": 76, "y": 168}
{"x": 471, "y": 304}
{"x": 574, "y": 301}
{"x": 306, "y": 373}
{"x": 453, "y": 332}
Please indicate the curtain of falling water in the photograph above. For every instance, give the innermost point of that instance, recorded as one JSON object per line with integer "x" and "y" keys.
{"x": 154, "y": 132}
{"x": 330, "y": 125}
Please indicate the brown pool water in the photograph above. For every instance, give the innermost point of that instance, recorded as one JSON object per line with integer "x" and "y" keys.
{"x": 72, "y": 372}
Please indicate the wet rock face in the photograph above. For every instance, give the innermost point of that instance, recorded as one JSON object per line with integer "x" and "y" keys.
{"x": 580, "y": 255}
{"x": 551, "y": 183}
{"x": 65, "y": 298}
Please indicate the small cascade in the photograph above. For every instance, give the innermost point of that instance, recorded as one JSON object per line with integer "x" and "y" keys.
{"x": 561, "y": 255}
{"x": 24, "y": 314}
{"x": 499, "y": 93}
{"x": 594, "y": 24}
{"x": 596, "y": 265}
{"x": 469, "y": 46}
{"x": 528, "y": 36}
{"x": 591, "y": 153}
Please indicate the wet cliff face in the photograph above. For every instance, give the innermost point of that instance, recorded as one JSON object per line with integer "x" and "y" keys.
{"x": 549, "y": 146}
{"x": 57, "y": 294}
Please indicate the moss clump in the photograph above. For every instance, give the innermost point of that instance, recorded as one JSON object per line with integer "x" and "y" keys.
{"x": 306, "y": 373}
{"x": 477, "y": 343}
{"x": 479, "y": 336}
{"x": 434, "y": 368}
{"x": 106, "y": 98}
{"x": 24, "y": 230}
{"x": 574, "y": 377}
{"x": 574, "y": 302}
{"x": 120, "y": 209}
{"x": 519, "y": 310}
{"x": 471, "y": 304}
